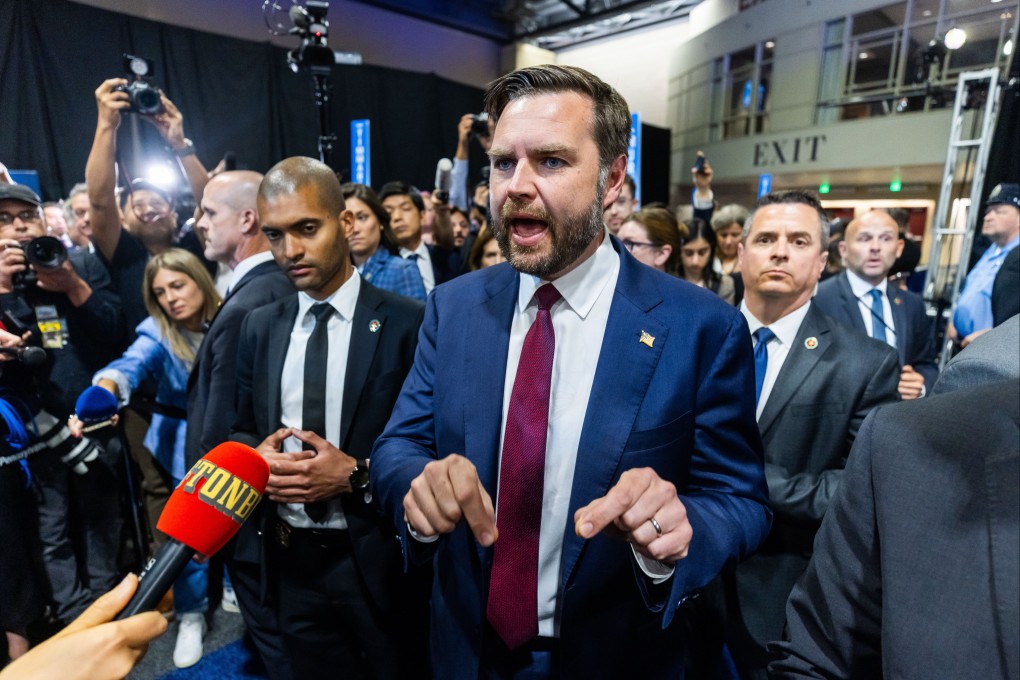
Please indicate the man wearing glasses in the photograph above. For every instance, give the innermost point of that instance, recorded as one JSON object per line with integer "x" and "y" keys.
{"x": 71, "y": 311}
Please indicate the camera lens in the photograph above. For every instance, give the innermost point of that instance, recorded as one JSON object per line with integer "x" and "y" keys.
{"x": 45, "y": 252}
{"x": 146, "y": 100}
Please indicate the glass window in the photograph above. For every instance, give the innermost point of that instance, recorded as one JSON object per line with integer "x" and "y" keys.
{"x": 894, "y": 60}
{"x": 740, "y": 91}
{"x": 884, "y": 18}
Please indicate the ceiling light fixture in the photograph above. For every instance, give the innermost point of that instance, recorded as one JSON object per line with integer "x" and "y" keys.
{"x": 955, "y": 38}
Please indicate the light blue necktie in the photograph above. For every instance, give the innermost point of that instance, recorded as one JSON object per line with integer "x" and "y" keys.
{"x": 761, "y": 358}
{"x": 877, "y": 315}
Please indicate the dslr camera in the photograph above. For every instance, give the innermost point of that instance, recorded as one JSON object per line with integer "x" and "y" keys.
{"x": 144, "y": 95}
{"x": 480, "y": 125}
{"x": 43, "y": 252}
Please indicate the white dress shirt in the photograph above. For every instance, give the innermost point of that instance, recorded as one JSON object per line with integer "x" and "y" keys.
{"x": 245, "y": 266}
{"x": 862, "y": 291}
{"x": 786, "y": 330}
{"x": 343, "y": 301}
{"x": 424, "y": 262}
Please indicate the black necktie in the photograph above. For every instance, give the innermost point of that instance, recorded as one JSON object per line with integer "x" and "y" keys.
{"x": 313, "y": 404}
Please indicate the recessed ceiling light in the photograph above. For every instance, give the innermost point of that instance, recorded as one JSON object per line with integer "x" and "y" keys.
{"x": 769, "y": 44}
{"x": 926, "y": 13}
{"x": 863, "y": 55}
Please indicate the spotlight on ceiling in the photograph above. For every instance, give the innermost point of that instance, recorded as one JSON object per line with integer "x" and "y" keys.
{"x": 955, "y": 37}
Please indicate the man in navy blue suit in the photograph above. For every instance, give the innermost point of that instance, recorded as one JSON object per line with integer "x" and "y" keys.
{"x": 862, "y": 298}
{"x": 575, "y": 447}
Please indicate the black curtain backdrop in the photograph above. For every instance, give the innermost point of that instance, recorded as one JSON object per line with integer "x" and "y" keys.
{"x": 235, "y": 95}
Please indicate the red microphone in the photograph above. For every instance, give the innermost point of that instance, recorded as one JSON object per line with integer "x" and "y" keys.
{"x": 204, "y": 512}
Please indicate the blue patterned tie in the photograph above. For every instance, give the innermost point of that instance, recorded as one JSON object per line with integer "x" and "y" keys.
{"x": 762, "y": 336}
{"x": 877, "y": 315}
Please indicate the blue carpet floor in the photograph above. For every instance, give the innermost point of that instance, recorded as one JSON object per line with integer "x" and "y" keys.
{"x": 231, "y": 662}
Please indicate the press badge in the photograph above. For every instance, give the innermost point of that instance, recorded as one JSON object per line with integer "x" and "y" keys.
{"x": 52, "y": 326}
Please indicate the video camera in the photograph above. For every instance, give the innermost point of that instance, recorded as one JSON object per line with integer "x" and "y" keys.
{"x": 145, "y": 98}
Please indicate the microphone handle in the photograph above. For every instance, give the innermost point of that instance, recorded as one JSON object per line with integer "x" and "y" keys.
{"x": 96, "y": 426}
{"x": 443, "y": 196}
{"x": 157, "y": 577}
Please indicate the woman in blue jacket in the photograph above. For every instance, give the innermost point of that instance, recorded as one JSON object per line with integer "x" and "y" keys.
{"x": 181, "y": 298}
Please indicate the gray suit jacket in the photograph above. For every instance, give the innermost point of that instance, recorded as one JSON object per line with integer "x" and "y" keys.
{"x": 992, "y": 357}
{"x": 916, "y": 572}
{"x": 809, "y": 423}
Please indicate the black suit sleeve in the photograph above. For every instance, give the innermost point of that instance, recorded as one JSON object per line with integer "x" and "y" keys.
{"x": 834, "y": 615}
{"x": 220, "y": 413}
{"x": 806, "y": 495}
{"x": 245, "y": 428}
{"x": 101, "y": 315}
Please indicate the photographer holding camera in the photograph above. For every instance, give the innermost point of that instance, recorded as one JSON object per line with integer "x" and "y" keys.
{"x": 149, "y": 224}
{"x": 67, "y": 304}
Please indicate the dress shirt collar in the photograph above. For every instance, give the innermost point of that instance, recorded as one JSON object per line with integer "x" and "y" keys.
{"x": 343, "y": 300}
{"x": 246, "y": 265}
{"x": 580, "y": 287}
{"x": 785, "y": 328}
{"x": 860, "y": 287}
{"x": 421, "y": 251}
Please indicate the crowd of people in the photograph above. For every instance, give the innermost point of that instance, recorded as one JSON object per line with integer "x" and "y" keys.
{"x": 533, "y": 429}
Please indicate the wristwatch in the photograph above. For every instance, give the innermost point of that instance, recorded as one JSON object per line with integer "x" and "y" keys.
{"x": 187, "y": 150}
{"x": 360, "y": 480}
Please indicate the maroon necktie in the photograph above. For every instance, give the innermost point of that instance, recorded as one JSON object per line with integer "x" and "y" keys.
{"x": 513, "y": 588}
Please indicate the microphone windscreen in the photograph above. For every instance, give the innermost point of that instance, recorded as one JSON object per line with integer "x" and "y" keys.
{"x": 95, "y": 405}
{"x": 443, "y": 178}
{"x": 215, "y": 497}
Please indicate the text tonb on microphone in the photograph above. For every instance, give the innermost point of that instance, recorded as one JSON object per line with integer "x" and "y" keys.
{"x": 203, "y": 513}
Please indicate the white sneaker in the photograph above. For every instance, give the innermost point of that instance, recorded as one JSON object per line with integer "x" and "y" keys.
{"x": 188, "y": 650}
{"x": 229, "y": 601}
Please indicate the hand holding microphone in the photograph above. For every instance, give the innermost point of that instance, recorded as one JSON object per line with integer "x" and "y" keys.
{"x": 96, "y": 408}
{"x": 204, "y": 512}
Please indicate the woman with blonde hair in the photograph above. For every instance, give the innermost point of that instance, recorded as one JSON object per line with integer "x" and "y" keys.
{"x": 181, "y": 299}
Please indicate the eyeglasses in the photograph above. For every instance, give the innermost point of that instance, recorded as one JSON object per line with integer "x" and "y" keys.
{"x": 25, "y": 216}
{"x": 631, "y": 245}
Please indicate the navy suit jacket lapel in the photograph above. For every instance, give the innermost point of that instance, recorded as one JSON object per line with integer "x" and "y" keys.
{"x": 622, "y": 377}
{"x": 900, "y": 323}
{"x": 276, "y": 348}
{"x": 488, "y": 336}
{"x": 361, "y": 351}
{"x": 851, "y": 306}
{"x": 800, "y": 361}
